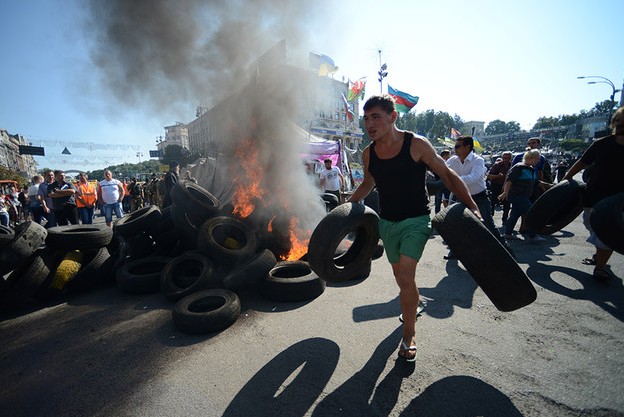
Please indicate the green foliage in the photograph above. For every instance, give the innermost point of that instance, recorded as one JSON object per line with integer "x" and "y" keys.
{"x": 127, "y": 170}
{"x": 498, "y": 127}
{"x": 573, "y": 145}
{"x": 9, "y": 174}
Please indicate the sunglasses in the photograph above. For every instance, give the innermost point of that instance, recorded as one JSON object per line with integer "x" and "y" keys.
{"x": 458, "y": 146}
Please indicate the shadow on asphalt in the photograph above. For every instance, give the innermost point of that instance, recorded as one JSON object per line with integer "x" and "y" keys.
{"x": 292, "y": 381}
{"x": 608, "y": 296}
{"x": 454, "y": 290}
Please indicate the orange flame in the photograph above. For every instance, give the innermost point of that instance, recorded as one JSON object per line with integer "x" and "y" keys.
{"x": 299, "y": 240}
{"x": 270, "y": 226}
{"x": 248, "y": 189}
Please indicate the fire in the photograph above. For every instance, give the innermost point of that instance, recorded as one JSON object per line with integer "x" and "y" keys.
{"x": 299, "y": 243}
{"x": 270, "y": 226}
{"x": 248, "y": 189}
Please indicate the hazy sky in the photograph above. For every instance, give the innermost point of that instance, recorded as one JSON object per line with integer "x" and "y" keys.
{"x": 482, "y": 60}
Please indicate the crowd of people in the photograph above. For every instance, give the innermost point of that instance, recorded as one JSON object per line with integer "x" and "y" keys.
{"x": 52, "y": 200}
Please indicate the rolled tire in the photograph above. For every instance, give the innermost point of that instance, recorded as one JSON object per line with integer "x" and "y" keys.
{"x": 252, "y": 273}
{"x": 372, "y": 201}
{"x": 347, "y": 218}
{"x": 226, "y": 239}
{"x": 485, "y": 259}
{"x": 141, "y": 276}
{"x": 556, "y": 208}
{"x": 379, "y": 251}
{"x": 433, "y": 186}
{"x": 140, "y": 246}
{"x": 26, "y": 281}
{"x": 165, "y": 231}
{"x": 188, "y": 229}
{"x": 206, "y": 311}
{"x": 607, "y": 221}
{"x": 6, "y": 236}
{"x": 197, "y": 202}
{"x": 186, "y": 274}
{"x": 66, "y": 270}
{"x": 96, "y": 270}
{"x": 28, "y": 237}
{"x": 145, "y": 219}
{"x": 330, "y": 200}
{"x": 292, "y": 281}
{"x": 79, "y": 236}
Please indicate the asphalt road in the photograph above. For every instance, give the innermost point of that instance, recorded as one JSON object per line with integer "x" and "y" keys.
{"x": 106, "y": 353}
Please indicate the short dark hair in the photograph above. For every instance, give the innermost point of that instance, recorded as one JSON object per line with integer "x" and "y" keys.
{"x": 445, "y": 152}
{"x": 58, "y": 171}
{"x": 327, "y": 160}
{"x": 466, "y": 141}
{"x": 173, "y": 164}
{"x": 385, "y": 102}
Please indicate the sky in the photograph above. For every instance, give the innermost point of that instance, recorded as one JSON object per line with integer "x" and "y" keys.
{"x": 482, "y": 60}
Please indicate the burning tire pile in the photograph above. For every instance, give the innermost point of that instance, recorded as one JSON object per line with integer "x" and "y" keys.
{"x": 196, "y": 253}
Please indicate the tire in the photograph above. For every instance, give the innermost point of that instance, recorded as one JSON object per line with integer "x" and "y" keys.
{"x": 485, "y": 259}
{"x": 6, "y": 236}
{"x": 145, "y": 219}
{"x": 26, "y": 281}
{"x": 227, "y": 240}
{"x": 206, "y": 311}
{"x": 197, "y": 202}
{"x": 335, "y": 226}
{"x": 372, "y": 201}
{"x": 330, "y": 200}
{"x": 607, "y": 221}
{"x": 79, "y": 237}
{"x": 141, "y": 276}
{"x": 184, "y": 226}
{"x": 66, "y": 270}
{"x": 186, "y": 274}
{"x": 433, "y": 186}
{"x": 292, "y": 281}
{"x": 556, "y": 208}
{"x": 379, "y": 251}
{"x": 97, "y": 268}
{"x": 251, "y": 273}
{"x": 165, "y": 231}
{"x": 587, "y": 173}
{"x": 140, "y": 246}
{"x": 28, "y": 237}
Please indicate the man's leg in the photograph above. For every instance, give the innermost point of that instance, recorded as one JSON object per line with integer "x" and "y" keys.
{"x": 117, "y": 208}
{"x": 108, "y": 214}
{"x": 61, "y": 217}
{"x": 405, "y": 276}
{"x": 72, "y": 214}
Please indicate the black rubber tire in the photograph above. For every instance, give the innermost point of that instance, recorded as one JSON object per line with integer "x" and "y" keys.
{"x": 165, "y": 231}
{"x": 556, "y": 208}
{"x": 197, "y": 202}
{"x": 379, "y": 251}
{"x": 335, "y": 226}
{"x": 188, "y": 229}
{"x": 96, "y": 270}
{"x": 29, "y": 236}
{"x": 372, "y": 201}
{"x": 26, "y": 281}
{"x": 79, "y": 236}
{"x": 587, "y": 173}
{"x": 141, "y": 276}
{"x": 186, "y": 274}
{"x": 6, "y": 235}
{"x": 145, "y": 219}
{"x": 485, "y": 259}
{"x": 213, "y": 238}
{"x": 607, "y": 221}
{"x": 140, "y": 246}
{"x": 251, "y": 273}
{"x": 433, "y": 186}
{"x": 292, "y": 281}
{"x": 206, "y": 311}
{"x": 330, "y": 200}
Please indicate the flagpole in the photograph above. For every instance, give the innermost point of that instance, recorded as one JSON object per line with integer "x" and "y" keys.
{"x": 382, "y": 72}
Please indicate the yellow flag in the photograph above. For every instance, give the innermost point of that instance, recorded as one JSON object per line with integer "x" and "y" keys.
{"x": 477, "y": 145}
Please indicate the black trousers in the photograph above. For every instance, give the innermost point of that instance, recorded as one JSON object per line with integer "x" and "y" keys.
{"x": 69, "y": 214}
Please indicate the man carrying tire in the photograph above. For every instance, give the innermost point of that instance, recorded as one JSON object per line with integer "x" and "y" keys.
{"x": 396, "y": 162}
{"x": 606, "y": 155}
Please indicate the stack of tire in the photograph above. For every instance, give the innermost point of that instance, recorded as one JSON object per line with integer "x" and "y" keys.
{"x": 201, "y": 257}
{"x": 45, "y": 264}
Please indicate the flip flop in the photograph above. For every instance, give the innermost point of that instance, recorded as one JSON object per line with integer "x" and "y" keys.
{"x": 408, "y": 349}
{"x": 589, "y": 261}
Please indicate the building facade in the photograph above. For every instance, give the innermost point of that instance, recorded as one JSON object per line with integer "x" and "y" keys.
{"x": 176, "y": 134}
{"x": 10, "y": 156}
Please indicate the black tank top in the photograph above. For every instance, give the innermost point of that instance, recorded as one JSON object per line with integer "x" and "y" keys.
{"x": 400, "y": 182}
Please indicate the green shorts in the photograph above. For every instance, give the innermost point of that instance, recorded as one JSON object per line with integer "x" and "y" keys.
{"x": 407, "y": 237}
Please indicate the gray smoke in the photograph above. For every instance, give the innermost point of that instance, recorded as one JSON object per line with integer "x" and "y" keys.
{"x": 166, "y": 57}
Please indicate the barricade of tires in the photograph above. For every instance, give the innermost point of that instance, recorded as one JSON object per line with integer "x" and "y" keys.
{"x": 195, "y": 252}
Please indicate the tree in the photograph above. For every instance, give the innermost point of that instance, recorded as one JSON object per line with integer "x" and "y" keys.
{"x": 545, "y": 122}
{"x": 513, "y": 127}
{"x": 9, "y": 174}
{"x": 496, "y": 127}
{"x": 442, "y": 124}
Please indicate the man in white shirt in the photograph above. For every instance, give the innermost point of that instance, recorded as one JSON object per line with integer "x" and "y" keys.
{"x": 471, "y": 169}
{"x": 110, "y": 193}
{"x": 332, "y": 180}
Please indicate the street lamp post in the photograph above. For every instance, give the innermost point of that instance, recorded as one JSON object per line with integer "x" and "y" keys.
{"x": 139, "y": 155}
{"x": 604, "y": 80}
